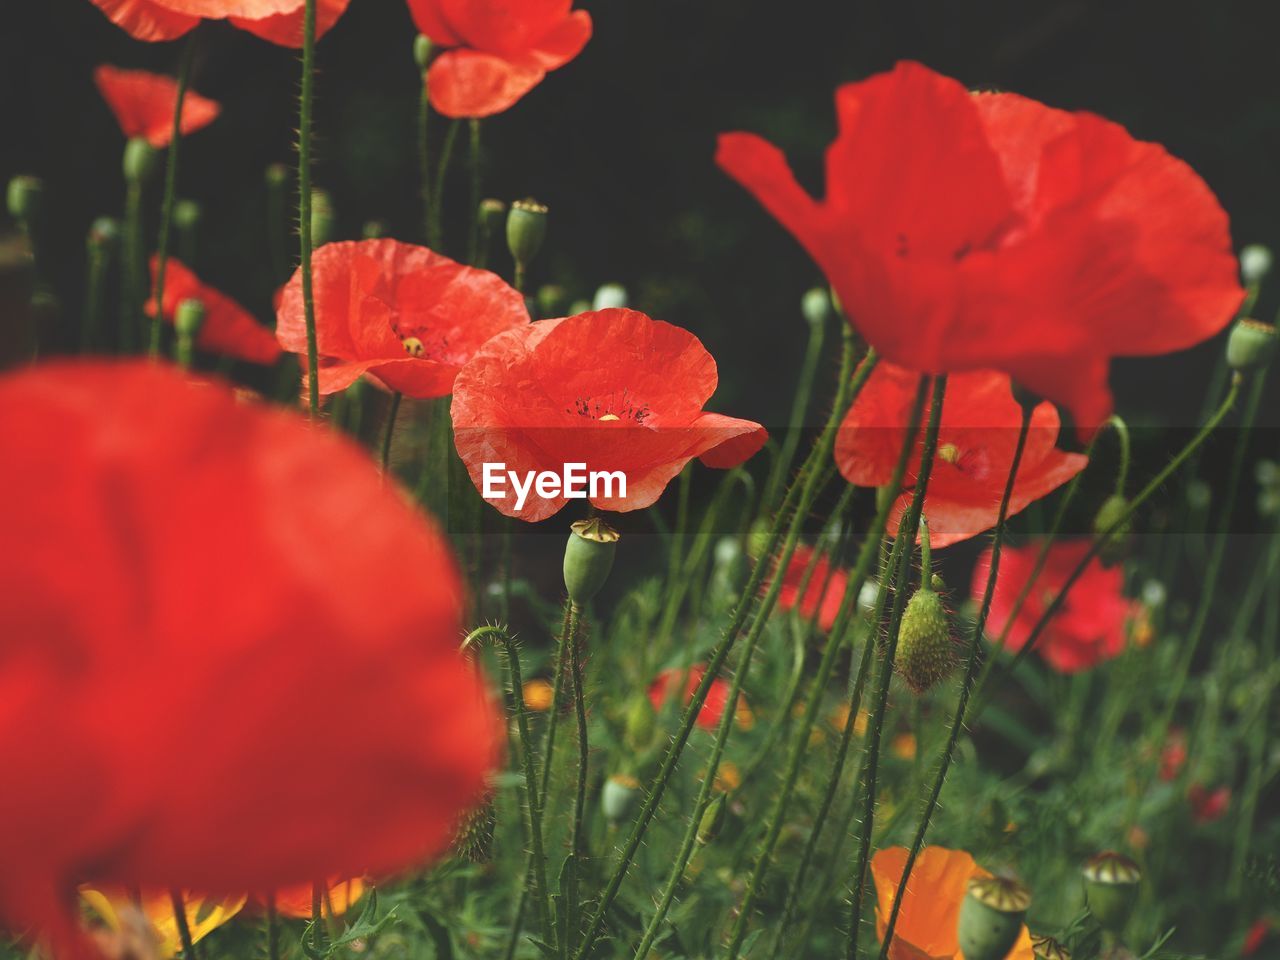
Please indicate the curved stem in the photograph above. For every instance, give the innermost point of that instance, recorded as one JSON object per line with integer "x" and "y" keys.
{"x": 131, "y": 279}
{"x": 966, "y": 686}
{"x": 304, "y": 203}
{"x": 473, "y": 246}
{"x": 1122, "y": 434}
{"x": 906, "y": 536}
{"x": 170, "y": 190}
{"x": 799, "y": 406}
{"x": 184, "y": 928}
{"x": 424, "y": 156}
{"x": 435, "y": 217}
{"x": 390, "y": 429}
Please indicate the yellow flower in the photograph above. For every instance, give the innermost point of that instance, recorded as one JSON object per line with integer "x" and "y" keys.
{"x": 204, "y": 915}
{"x": 537, "y": 695}
{"x": 926, "y": 927}
{"x": 296, "y": 901}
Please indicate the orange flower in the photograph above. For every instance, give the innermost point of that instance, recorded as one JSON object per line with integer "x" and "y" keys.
{"x": 338, "y": 899}
{"x": 143, "y": 104}
{"x": 926, "y": 928}
{"x": 204, "y": 915}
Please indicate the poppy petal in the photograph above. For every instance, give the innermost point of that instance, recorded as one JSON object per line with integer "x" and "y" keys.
{"x": 147, "y": 20}
{"x": 143, "y": 104}
{"x": 563, "y": 42}
{"x": 468, "y": 83}
{"x": 229, "y": 329}
{"x": 285, "y": 29}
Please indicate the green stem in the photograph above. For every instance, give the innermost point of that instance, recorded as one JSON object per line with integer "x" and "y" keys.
{"x": 799, "y": 407}
{"x": 803, "y": 492}
{"x": 580, "y": 711}
{"x": 435, "y": 216}
{"x": 906, "y": 538}
{"x": 966, "y": 687}
{"x": 392, "y": 412}
{"x": 131, "y": 279}
{"x": 180, "y": 918}
{"x": 835, "y": 640}
{"x": 424, "y": 157}
{"x": 1122, "y": 434}
{"x": 170, "y": 190}
{"x": 99, "y": 263}
{"x": 474, "y": 245}
{"x": 273, "y": 928}
{"x": 304, "y": 203}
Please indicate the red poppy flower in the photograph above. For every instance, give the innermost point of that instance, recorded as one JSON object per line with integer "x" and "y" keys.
{"x": 1208, "y": 805}
{"x": 712, "y": 707}
{"x": 1256, "y": 937}
{"x": 819, "y": 592}
{"x": 987, "y": 231}
{"x": 1173, "y": 755}
{"x": 1088, "y": 628}
{"x": 501, "y": 50}
{"x": 229, "y": 329}
{"x": 201, "y": 582}
{"x": 143, "y": 104}
{"x": 976, "y": 441}
{"x": 279, "y": 21}
{"x": 404, "y": 314}
{"x": 609, "y": 389}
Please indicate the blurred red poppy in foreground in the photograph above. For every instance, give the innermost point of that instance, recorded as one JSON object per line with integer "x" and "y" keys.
{"x": 819, "y": 592}
{"x": 229, "y": 330}
{"x": 404, "y": 314}
{"x": 279, "y": 21}
{"x": 1088, "y": 628}
{"x": 143, "y": 104}
{"x": 1257, "y": 935}
{"x": 1208, "y": 805}
{"x": 337, "y": 900}
{"x": 976, "y": 442}
{"x": 201, "y": 584}
{"x": 609, "y": 389}
{"x": 712, "y": 708}
{"x": 987, "y": 231}
{"x": 500, "y": 52}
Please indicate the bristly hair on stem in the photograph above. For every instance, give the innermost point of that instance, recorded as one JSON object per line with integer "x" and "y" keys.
{"x": 304, "y": 203}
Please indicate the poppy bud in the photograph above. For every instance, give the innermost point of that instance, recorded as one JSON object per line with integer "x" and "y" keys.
{"x": 1251, "y": 344}
{"x": 526, "y": 230}
{"x": 25, "y": 198}
{"x": 1047, "y": 948}
{"x": 618, "y": 796}
{"x": 422, "y": 50}
{"x": 640, "y": 723}
{"x": 713, "y": 818}
{"x": 1117, "y": 545}
{"x": 588, "y": 558}
{"x": 186, "y": 214}
{"x": 277, "y": 176}
{"x": 579, "y": 306}
{"x": 816, "y": 306}
{"x": 374, "y": 229}
{"x": 758, "y": 538}
{"x": 189, "y": 318}
{"x": 991, "y": 917}
{"x": 492, "y": 213}
{"x": 474, "y": 840}
{"x": 104, "y": 234}
{"x": 926, "y": 653}
{"x": 1111, "y": 889}
{"x": 1255, "y": 263}
{"x": 322, "y": 217}
{"x": 140, "y": 160}
{"x": 551, "y": 300}
{"x": 609, "y": 296}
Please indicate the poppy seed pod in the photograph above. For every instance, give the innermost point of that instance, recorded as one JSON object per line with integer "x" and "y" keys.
{"x": 1047, "y": 948}
{"x": 926, "y": 653}
{"x": 104, "y": 234}
{"x": 1112, "y": 509}
{"x": 1251, "y": 344}
{"x": 618, "y": 796}
{"x": 140, "y": 160}
{"x": 609, "y": 296}
{"x": 526, "y": 230}
{"x": 588, "y": 558}
{"x": 991, "y": 917}
{"x": 1255, "y": 263}
{"x": 189, "y": 318}
{"x": 713, "y": 818}
{"x": 816, "y": 306}
{"x": 422, "y": 50}
{"x": 25, "y": 196}
{"x": 1111, "y": 888}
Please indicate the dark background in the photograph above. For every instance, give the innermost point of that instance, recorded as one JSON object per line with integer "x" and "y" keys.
{"x": 619, "y": 143}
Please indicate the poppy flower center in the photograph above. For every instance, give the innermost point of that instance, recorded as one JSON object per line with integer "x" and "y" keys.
{"x": 610, "y": 408}
{"x": 949, "y": 453}
{"x": 413, "y": 347}
{"x": 425, "y": 345}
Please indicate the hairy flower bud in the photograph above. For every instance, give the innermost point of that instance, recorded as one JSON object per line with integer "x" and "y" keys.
{"x": 189, "y": 318}
{"x": 25, "y": 198}
{"x": 1111, "y": 888}
{"x": 991, "y": 917}
{"x": 140, "y": 161}
{"x": 1117, "y": 545}
{"x": 474, "y": 839}
{"x": 588, "y": 558}
{"x": 713, "y": 818}
{"x": 422, "y": 50}
{"x": 526, "y": 230}
{"x": 926, "y": 653}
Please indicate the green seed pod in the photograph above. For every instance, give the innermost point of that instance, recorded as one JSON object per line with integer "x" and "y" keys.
{"x": 618, "y": 796}
{"x": 322, "y": 217}
{"x": 1111, "y": 889}
{"x": 189, "y": 318}
{"x": 1047, "y": 948}
{"x": 1251, "y": 344}
{"x": 422, "y": 50}
{"x": 474, "y": 839}
{"x": 526, "y": 230}
{"x": 140, "y": 161}
{"x": 640, "y": 725}
{"x": 1117, "y": 545}
{"x": 610, "y": 296}
{"x": 713, "y": 819}
{"x": 991, "y": 917}
{"x": 26, "y": 195}
{"x": 926, "y": 653}
{"x": 551, "y": 300}
{"x": 588, "y": 558}
{"x": 104, "y": 234}
{"x": 817, "y": 307}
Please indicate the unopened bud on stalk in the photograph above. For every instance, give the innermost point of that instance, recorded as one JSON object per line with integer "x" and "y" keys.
{"x": 991, "y": 917}
{"x": 422, "y": 50}
{"x": 758, "y": 538}
{"x": 186, "y": 214}
{"x": 618, "y": 796}
{"x": 322, "y": 217}
{"x": 526, "y": 230}
{"x": 609, "y": 296}
{"x": 1251, "y": 344}
{"x": 1111, "y": 889}
{"x": 816, "y": 306}
{"x": 1047, "y": 948}
{"x": 25, "y": 196}
{"x": 712, "y": 821}
{"x": 926, "y": 653}
{"x": 474, "y": 840}
{"x": 1255, "y": 263}
{"x": 189, "y": 318}
{"x": 640, "y": 723}
{"x": 140, "y": 161}
{"x": 1117, "y": 545}
{"x": 103, "y": 235}
{"x": 588, "y": 558}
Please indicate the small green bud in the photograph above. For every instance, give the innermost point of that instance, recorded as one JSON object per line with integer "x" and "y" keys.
{"x": 322, "y": 217}
{"x": 186, "y": 214}
{"x": 26, "y": 196}
{"x": 618, "y": 796}
{"x": 492, "y": 214}
{"x": 140, "y": 160}
{"x": 588, "y": 558}
{"x": 926, "y": 653}
{"x": 713, "y": 819}
{"x": 374, "y": 229}
{"x": 1255, "y": 263}
{"x": 991, "y": 917}
{"x": 422, "y": 50}
{"x": 609, "y": 296}
{"x": 1117, "y": 545}
{"x": 640, "y": 723}
{"x": 1111, "y": 889}
{"x": 189, "y": 318}
{"x": 758, "y": 538}
{"x": 579, "y": 306}
{"x": 1251, "y": 344}
{"x": 277, "y": 176}
{"x": 526, "y": 230}
{"x": 104, "y": 234}
{"x": 474, "y": 839}
{"x": 817, "y": 307}
{"x": 1047, "y": 948}
{"x": 551, "y": 300}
